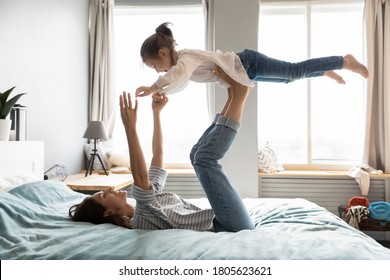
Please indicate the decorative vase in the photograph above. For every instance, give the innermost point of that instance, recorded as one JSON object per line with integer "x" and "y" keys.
{"x": 5, "y": 129}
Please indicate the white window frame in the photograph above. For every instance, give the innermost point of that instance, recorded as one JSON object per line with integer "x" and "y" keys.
{"x": 309, "y": 161}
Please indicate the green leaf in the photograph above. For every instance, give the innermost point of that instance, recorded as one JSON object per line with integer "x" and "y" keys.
{"x": 4, "y": 96}
{"x": 5, "y": 104}
{"x": 8, "y": 106}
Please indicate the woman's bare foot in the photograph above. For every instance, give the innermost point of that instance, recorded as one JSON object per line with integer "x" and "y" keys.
{"x": 237, "y": 95}
{"x": 236, "y": 87}
{"x": 351, "y": 63}
{"x": 333, "y": 75}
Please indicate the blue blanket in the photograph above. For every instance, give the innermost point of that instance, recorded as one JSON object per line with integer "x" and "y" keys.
{"x": 35, "y": 225}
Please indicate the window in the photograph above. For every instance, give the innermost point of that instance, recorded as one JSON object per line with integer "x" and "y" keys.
{"x": 312, "y": 122}
{"x": 186, "y": 115}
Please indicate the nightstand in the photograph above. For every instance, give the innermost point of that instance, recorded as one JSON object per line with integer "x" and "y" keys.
{"x": 95, "y": 182}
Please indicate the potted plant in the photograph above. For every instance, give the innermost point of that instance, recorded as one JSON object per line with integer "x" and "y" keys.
{"x": 6, "y": 105}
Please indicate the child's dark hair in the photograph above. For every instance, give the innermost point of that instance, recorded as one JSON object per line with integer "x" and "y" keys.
{"x": 163, "y": 38}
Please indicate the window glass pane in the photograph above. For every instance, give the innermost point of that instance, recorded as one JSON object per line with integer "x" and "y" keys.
{"x": 337, "y": 110}
{"x": 313, "y": 121}
{"x": 282, "y": 107}
{"x": 186, "y": 115}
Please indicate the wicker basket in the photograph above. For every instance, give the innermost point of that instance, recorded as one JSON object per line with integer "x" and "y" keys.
{"x": 369, "y": 223}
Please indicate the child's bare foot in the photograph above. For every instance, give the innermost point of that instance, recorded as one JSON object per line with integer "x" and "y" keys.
{"x": 333, "y": 75}
{"x": 351, "y": 63}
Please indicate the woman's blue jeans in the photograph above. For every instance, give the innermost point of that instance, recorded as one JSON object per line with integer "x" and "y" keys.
{"x": 262, "y": 68}
{"x": 229, "y": 209}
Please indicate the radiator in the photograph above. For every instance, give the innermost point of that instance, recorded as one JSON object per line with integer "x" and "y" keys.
{"x": 184, "y": 185}
{"x": 327, "y": 192}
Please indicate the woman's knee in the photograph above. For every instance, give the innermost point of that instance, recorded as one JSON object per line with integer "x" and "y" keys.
{"x": 201, "y": 157}
{"x": 193, "y": 152}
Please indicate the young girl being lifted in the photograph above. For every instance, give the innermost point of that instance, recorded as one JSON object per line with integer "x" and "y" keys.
{"x": 158, "y": 52}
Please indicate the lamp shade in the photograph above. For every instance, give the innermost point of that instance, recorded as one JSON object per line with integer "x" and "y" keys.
{"x": 96, "y": 130}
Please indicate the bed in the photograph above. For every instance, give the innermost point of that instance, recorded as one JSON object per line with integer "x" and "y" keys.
{"x": 34, "y": 225}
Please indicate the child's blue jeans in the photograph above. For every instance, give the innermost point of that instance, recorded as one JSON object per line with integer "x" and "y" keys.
{"x": 262, "y": 68}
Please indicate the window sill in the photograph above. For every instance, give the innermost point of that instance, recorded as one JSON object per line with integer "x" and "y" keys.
{"x": 315, "y": 173}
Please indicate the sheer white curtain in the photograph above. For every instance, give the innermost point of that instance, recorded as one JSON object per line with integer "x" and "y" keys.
{"x": 101, "y": 55}
{"x": 377, "y": 141}
{"x": 208, "y": 7}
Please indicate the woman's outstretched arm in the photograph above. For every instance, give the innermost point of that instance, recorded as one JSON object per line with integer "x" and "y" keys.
{"x": 137, "y": 159}
{"x": 159, "y": 101}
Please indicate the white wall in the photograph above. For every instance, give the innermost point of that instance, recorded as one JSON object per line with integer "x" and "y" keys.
{"x": 44, "y": 52}
{"x": 236, "y": 28}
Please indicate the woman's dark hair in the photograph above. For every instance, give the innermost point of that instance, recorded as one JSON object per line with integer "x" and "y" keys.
{"x": 91, "y": 211}
{"x": 163, "y": 38}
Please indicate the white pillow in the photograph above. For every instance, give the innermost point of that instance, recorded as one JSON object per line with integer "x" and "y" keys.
{"x": 114, "y": 153}
{"x": 118, "y": 157}
{"x": 268, "y": 161}
{"x": 9, "y": 183}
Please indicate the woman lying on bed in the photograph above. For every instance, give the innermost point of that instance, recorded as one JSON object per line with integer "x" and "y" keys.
{"x": 161, "y": 210}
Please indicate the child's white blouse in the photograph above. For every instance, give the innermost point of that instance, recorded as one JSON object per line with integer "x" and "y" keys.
{"x": 198, "y": 66}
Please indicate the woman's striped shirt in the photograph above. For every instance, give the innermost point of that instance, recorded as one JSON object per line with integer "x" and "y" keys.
{"x": 163, "y": 210}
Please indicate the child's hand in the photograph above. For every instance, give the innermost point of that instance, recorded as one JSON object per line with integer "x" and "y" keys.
{"x": 145, "y": 91}
{"x": 159, "y": 101}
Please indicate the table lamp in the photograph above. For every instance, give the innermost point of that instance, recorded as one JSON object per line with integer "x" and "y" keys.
{"x": 96, "y": 130}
